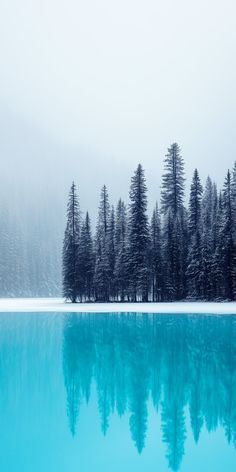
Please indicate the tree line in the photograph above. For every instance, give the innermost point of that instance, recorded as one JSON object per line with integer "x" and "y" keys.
{"x": 180, "y": 253}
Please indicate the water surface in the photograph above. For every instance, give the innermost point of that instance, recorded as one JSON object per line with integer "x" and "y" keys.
{"x": 112, "y": 392}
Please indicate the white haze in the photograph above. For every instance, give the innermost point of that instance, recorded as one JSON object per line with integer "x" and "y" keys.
{"x": 90, "y": 89}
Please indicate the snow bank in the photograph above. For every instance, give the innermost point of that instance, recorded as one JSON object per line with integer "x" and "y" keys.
{"x": 58, "y": 305}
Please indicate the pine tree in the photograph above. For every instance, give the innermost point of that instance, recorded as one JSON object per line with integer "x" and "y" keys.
{"x": 70, "y": 248}
{"x": 173, "y": 181}
{"x": 227, "y": 251}
{"x": 155, "y": 255}
{"x": 102, "y": 266}
{"x": 174, "y": 229}
{"x": 195, "y": 204}
{"x": 121, "y": 263}
{"x": 234, "y": 198}
{"x": 111, "y": 252}
{"x": 217, "y": 274}
{"x": 86, "y": 258}
{"x": 207, "y": 242}
{"x": 194, "y": 220}
{"x": 138, "y": 237}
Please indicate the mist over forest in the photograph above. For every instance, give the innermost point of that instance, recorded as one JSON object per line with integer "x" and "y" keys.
{"x": 36, "y": 176}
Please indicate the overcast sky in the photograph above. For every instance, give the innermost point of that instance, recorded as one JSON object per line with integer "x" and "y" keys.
{"x": 88, "y": 89}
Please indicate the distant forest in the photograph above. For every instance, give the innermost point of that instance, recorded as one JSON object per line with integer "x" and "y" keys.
{"x": 181, "y": 253}
{"x": 30, "y": 250}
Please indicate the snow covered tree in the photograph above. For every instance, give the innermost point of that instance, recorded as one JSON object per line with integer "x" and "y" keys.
{"x": 234, "y": 198}
{"x": 174, "y": 229}
{"x": 102, "y": 266}
{"x": 173, "y": 181}
{"x": 121, "y": 263}
{"x": 207, "y": 241}
{"x": 226, "y": 248}
{"x": 184, "y": 254}
{"x": 111, "y": 252}
{"x": 195, "y": 204}
{"x": 138, "y": 237}
{"x": 194, "y": 220}
{"x": 86, "y": 259}
{"x": 70, "y": 248}
{"x": 216, "y": 269}
{"x": 155, "y": 255}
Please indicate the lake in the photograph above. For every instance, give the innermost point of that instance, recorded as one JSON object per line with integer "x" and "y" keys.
{"x": 117, "y": 392}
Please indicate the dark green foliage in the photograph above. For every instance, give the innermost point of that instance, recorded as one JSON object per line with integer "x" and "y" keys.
{"x": 226, "y": 245}
{"x": 70, "y": 261}
{"x": 138, "y": 237}
{"x": 207, "y": 242}
{"x": 194, "y": 222}
{"x": 179, "y": 254}
{"x": 195, "y": 199}
{"x": 111, "y": 253}
{"x": 121, "y": 251}
{"x": 86, "y": 260}
{"x": 155, "y": 256}
{"x": 174, "y": 227}
{"x": 102, "y": 264}
{"x": 172, "y": 194}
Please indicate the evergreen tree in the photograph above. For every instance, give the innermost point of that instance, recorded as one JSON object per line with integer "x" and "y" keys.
{"x": 227, "y": 250}
{"x": 86, "y": 258}
{"x": 174, "y": 230}
{"x": 207, "y": 242}
{"x": 216, "y": 272}
{"x": 70, "y": 248}
{"x": 102, "y": 266}
{"x": 121, "y": 263}
{"x": 194, "y": 220}
{"x": 234, "y": 198}
{"x": 111, "y": 252}
{"x": 173, "y": 181}
{"x": 195, "y": 204}
{"x": 155, "y": 255}
{"x": 138, "y": 237}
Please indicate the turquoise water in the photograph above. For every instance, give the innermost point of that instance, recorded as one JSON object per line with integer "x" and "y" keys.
{"x": 117, "y": 392}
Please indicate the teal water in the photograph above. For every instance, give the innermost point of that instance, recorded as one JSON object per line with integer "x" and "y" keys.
{"x": 117, "y": 392}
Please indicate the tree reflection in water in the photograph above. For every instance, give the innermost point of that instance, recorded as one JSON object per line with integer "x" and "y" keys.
{"x": 181, "y": 361}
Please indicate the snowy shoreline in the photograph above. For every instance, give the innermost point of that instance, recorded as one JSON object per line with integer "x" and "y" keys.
{"x": 58, "y": 305}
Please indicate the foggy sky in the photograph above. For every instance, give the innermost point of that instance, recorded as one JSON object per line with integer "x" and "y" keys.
{"x": 88, "y": 89}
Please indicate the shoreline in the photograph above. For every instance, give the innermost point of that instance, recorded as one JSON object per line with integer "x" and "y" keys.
{"x": 59, "y": 305}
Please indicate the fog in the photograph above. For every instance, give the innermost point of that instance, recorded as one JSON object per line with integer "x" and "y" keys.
{"x": 90, "y": 89}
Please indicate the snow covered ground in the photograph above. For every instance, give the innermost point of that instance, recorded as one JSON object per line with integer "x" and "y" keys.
{"x": 58, "y": 305}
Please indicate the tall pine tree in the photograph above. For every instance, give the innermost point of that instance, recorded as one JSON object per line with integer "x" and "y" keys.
{"x": 138, "y": 237}
{"x": 102, "y": 265}
{"x": 86, "y": 259}
{"x": 70, "y": 248}
{"x": 207, "y": 241}
{"x": 194, "y": 220}
{"x": 155, "y": 255}
{"x": 111, "y": 252}
{"x": 227, "y": 250}
{"x": 174, "y": 229}
{"x": 121, "y": 262}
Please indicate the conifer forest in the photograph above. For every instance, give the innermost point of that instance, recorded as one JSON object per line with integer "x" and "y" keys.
{"x": 183, "y": 251}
